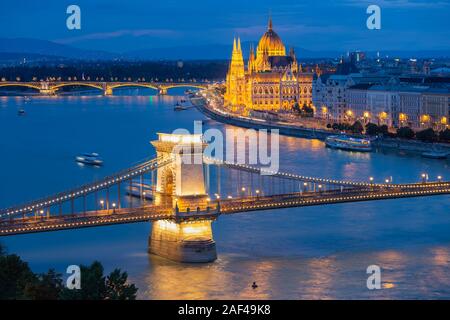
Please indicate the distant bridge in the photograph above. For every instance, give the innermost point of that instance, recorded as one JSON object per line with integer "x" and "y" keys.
{"x": 52, "y": 87}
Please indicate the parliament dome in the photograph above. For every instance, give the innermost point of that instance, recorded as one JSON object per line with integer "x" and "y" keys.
{"x": 271, "y": 43}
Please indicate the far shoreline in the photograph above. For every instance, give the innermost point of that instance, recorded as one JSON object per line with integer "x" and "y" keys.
{"x": 384, "y": 144}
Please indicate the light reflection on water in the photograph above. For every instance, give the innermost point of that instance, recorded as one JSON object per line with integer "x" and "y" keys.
{"x": 303, "y": 253}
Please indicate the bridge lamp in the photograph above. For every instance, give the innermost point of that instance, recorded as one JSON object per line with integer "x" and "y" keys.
{"x": 243, "y": 189}
{"x": 439, "y": 178}
{"x": 387, "y": 180}
{"x": 371, "y": 179}
{"x": 424, "y": 177}
{"x": 217, "y": 196}
{"x": 41, "y": 212}
{"x": 257, "y": 191}
{"x": 230, "y": 197}
{"x": 102, "y": 203}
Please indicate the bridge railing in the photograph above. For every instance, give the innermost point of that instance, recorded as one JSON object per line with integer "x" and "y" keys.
{"x": 85, "y": 189}
{"x": 285, "y": 175}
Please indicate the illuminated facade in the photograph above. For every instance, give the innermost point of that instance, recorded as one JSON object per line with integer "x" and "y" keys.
{"x": 272, "y": 80}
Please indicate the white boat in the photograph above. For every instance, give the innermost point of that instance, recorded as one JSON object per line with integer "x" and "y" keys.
{"x": 435, "y": 154}
{"x": 179, "y": 107}
{"x": 344, "y": 142}
{"x": 90, "y": 159}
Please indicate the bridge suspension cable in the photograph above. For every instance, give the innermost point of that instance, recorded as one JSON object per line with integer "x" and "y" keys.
{"x": 86, "y": 189}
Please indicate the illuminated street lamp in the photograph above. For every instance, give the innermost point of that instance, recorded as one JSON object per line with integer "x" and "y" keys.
{"x": 371, "y": 179}
{"x": 439, "y": 178}
{"x": 424, "y": 177}
{"x": 102, "y": 203}
{"x": 114, "y": 207}
{"x": 257, "y": 192}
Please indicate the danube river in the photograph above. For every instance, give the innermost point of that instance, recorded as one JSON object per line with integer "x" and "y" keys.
{"x": 302, "y": 253}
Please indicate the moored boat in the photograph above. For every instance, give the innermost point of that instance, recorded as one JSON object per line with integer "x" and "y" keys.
{"x": 344, "y": 142}
{"x": 435, "y": 154}
{"x": 179, "y": 107}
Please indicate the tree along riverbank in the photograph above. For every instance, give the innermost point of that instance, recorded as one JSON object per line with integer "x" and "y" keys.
{"x": 383, "y": 143}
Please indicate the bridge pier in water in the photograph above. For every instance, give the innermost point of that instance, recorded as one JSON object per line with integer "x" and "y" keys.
{"x": 188, "y": 236}
{"x": 107, "y": 91}
{"x": 162, "y": 91}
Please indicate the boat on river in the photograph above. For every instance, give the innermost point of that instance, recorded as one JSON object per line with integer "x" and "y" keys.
{"x": 92, "y": 159}
{"x": 345, "y": 142}
{"x": 179, "y": 107}
{"x": 435, "y": 154}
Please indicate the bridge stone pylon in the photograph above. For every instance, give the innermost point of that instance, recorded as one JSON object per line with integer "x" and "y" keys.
{"x": 188, "y": 237}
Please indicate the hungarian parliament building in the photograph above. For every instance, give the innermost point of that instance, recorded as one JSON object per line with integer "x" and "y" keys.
{"x": 272, "y": 79}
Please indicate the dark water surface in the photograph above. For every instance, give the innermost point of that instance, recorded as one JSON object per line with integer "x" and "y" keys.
{"x": 315, "y": 252}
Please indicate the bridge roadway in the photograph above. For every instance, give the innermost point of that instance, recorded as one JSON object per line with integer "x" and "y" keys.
{"x": 51, "y": 87}
{"x": 293, "y": 176}
{"x": 230, "y": 206}
{"x": 86, "y": 189}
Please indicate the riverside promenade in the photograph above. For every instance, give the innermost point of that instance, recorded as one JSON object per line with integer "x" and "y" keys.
{"x": 384, "y": 144}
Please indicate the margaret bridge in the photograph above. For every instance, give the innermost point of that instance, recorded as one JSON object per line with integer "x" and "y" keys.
{"x": 184, "y": 203}
{"x": 52, "y": 87}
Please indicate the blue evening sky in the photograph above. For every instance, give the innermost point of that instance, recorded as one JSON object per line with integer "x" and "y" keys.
{"x": 312, "y": 24}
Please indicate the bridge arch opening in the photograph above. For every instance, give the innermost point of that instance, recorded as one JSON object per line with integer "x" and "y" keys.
{"x": 167, "y": 181}
{"x": 141, "y": 89}
{"x": 19, "y": 88}
{"x": 179, "y": 90}
{"x": 74, "y": 87}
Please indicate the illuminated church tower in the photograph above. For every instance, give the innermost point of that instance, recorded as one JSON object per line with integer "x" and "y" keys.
{"x": 273, "y": 80}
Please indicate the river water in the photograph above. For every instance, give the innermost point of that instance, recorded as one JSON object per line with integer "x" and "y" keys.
{"x": 301, "y": 253}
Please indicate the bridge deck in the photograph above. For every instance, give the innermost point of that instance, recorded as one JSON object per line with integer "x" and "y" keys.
{"x": 245, "y": 204}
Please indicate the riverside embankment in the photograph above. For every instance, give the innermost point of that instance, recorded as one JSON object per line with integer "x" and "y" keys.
{"x": 381, "y": 143}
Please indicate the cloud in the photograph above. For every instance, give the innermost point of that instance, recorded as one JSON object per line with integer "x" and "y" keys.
{"x": 120, "y": 33}
{"x": 398, "y": 3}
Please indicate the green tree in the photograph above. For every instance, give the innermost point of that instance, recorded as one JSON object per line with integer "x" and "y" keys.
{"x": 117, "y": 287}
{"x": 445, "y": 135}
{"x": 15, "y": 275}
{"x": 95, "y": 286}
{"x": 296, "y": 107}
{"x": 47, "y": 286}
{"x": 427, "y": 135}
{"x": 357, "y": 127}
{"x": 383, "y": 129}
{"x": 405, "y": 132}
{"x": 372, "y": 129}
{"x": 307, "y": 111}
{"x": 92, "y": 284}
